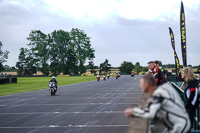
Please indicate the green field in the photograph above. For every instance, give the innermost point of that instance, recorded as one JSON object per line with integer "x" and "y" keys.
{"x": 37, "y": 83}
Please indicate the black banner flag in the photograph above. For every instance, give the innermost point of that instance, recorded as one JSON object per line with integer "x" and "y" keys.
{"x": 177, "y": 65}
{"x": 183, "y": 35}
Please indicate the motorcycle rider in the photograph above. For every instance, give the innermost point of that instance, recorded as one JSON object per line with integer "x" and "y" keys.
{"x": 55, "y": 81}
{"x": 132, "y": 74}
{"x": 98, "y": 77}
{"x": 108, "y": 75}
{"x": 104, "y": 76}
{"x": 117, "y": 75}
{"x": 157, "y": 73}
{"x": 165, "y": 104}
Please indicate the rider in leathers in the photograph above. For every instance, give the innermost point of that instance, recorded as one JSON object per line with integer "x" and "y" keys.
{"x": 166, "y": 105}
{"x": 55, "y": 81}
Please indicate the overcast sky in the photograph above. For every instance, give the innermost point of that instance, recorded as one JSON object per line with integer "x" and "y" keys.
{"x": 120, "y": 30}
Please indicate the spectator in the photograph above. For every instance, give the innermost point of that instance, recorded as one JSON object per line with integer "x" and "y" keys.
{"x": 158, "y": 65}
{"x": 158, "y": 74}
{"x": 165, "y": 104}
{"x": 191, "y": 92}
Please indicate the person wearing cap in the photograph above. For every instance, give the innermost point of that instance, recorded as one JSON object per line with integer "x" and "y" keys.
{"x": 55, "y": 81}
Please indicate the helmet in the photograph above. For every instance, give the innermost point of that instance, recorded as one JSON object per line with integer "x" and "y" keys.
{"x": 53, "y": 77}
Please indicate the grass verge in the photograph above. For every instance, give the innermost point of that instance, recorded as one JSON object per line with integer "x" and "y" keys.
{"x": 37, "y": 83}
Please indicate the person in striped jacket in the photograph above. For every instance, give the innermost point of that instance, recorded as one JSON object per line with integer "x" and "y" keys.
{"x": 164, "y": 104}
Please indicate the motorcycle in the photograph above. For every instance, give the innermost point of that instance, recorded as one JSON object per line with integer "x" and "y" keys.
{"x": 108, "y": 75}
{"x": 104, "y": 77}
{"x": 52, "y": 88}
{"x": 132, "y": 75}
{"x": 98, "y": 78}
{"x": 117, "y": 76}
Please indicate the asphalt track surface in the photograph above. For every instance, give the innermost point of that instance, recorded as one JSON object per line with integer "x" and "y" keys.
{"x": 92, "y": 107}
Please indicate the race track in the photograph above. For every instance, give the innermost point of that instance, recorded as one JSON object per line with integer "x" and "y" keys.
{"x": 92, "y": 107}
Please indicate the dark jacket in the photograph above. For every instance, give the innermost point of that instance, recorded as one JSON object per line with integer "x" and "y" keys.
{"x": 53, "y": 80}
{"x": 191, "y": 95}
{"x": 159, "y": 76}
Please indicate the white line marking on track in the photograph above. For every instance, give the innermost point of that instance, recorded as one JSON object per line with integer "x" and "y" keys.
{"x": 78, "y": 126}
{"x": 53, "y": 125}
{"x": 15, "y": 99}
{"x": 32, "y": 113}
{"x": 69, "y": 104}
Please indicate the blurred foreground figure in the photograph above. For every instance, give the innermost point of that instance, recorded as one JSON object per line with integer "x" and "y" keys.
{"x": 165, "y": 104}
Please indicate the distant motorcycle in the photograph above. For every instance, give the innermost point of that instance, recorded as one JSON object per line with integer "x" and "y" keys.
{"x": 98, "y": 78}
{"x": 132, "y": 74}
{"x": 117, "y": 76}
{"x": 108, "y": 75}
{"x": 104, "y": 77}
{"x": 52, "y": 88}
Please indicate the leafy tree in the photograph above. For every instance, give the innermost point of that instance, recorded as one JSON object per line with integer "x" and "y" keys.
{"x": 26, "y": 64}
{"x": 126, "y": 67}
{"x": 12, "y": 68}
{"x": 145, "y": 69}
{"x": 91, "y": 63}
{"x": 72, "y": 65}
{"x": 3, "y": 57}
{"x": 91, "y": 66}
{"x": 105, "y": 66}
{"x": 6, "y": 67}
{"x": 137, "y": 68}
{"x": 39, "y": 44}
{"x": 60, "y": 51}
{"x": 198, "y": 68}
{"x": 1, "y": 67}
{"x": 82, "y": 47}
{"x": 61, "y": 54}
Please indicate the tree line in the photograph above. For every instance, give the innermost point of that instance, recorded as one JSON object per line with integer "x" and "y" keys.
{"x": 125, "y": 67}
{"x": 63, "y": 52}
{"x": 3, "y": 57}
{"x": 57, "y": 52}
